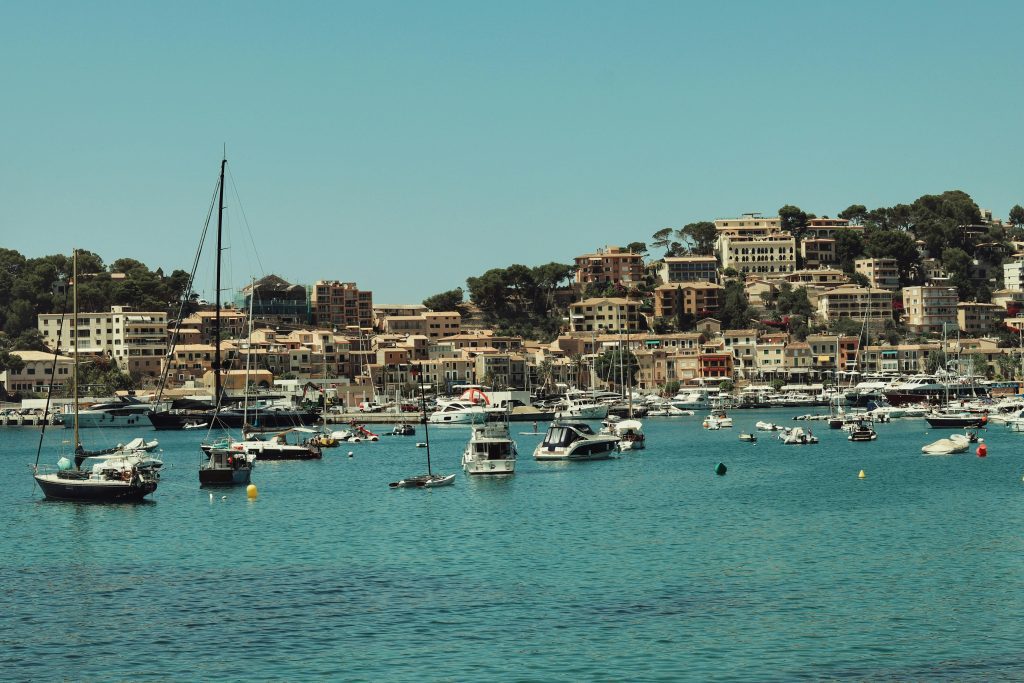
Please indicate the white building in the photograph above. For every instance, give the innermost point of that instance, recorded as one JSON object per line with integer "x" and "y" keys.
{"x": 136, "y": 340}
{"x": 1012, "y": 275}
{"x": 771, "y": 254}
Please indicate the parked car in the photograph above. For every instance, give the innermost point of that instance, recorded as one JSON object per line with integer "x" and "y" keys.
{"x": 370, "y": 407}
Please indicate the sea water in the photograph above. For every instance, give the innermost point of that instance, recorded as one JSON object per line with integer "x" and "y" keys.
{"x": 645, "y": 567}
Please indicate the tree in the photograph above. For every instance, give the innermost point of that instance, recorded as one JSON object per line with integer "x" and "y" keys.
{"x": 1017, "y": 216}
{"x": 881, "y": 243}
{"x": 735, "y": 309}
{"x": 10, "y": 361}
{"x": 29, "y": 340}
{"x": 662, "y": 239}
{"x": 855, "y": 213}
{"x": 849, "y": 247}
{"x": 860, "y": 279}
{"x": 957, "y": 264}
{"x": 793, "y": 220}
{"x": 793, "y": 301}
{"x": 726, "y": 386}
{"x": 445, "y": 301}
{"x": 701, "y": 236}
{"x": 637, "y": 248}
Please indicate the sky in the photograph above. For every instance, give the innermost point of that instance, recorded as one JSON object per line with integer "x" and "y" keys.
{"x": 406, "y": 146}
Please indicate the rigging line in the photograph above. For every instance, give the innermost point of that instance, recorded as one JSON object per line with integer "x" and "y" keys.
{"x": 185, "y": 296}
{"x": 53, "y": 372}
{"x": 245, "y": 221}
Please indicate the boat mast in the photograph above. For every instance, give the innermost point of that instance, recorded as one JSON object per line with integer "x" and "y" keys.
{"x": 426, "y": 430}
{"x": 248, "y": 355}
{"x": 629, "y": 386}
{"x": 216, "y": 323}
{"x": 74, "y": 376}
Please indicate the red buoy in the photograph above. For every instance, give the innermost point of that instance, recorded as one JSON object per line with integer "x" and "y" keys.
{"x": 984, "y": 419}
{"x": 982, "y": 449}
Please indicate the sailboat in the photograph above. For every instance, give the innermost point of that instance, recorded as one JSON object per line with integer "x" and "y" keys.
{"x": 188, "y": 413}
{"x": 630, "y": 431}
{"x": 229, "y": 465}
{"x": 115, "y": 476}
{"x": 428, "y": 480}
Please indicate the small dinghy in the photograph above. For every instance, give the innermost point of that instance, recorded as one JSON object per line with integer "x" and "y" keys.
{"x": 956, "y": 443}
{"x": 752, "y": 438}
{"x": 798, "y": 437}
{"x": 767, "y": 427}
{"x": 423, "y": 481}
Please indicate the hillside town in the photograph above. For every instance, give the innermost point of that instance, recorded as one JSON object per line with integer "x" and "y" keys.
{"x": 779, "y": 302}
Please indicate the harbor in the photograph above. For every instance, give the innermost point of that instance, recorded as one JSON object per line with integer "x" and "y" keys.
{"x": 849, "y": 577}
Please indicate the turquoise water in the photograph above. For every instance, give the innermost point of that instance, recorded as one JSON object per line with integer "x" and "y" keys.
{"x": 648, "y": 567}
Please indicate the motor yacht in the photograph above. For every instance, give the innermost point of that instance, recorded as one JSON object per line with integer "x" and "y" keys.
{"x": 575, "y": 441}
{"x": 458, "y": 412}
{"x": 490, "y": 450}
{"x": 629, "y": 432}
{"x": 124, "y": 412}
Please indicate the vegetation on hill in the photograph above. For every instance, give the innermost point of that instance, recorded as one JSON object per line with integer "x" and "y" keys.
{"x": 30, "y": 286}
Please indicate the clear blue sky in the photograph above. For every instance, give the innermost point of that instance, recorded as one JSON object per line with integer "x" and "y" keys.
{"x": 408, "y": 145}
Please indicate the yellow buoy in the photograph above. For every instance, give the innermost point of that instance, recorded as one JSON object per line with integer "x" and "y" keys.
{"x": 251, "y": 491}
{"x": 861, "y": 475}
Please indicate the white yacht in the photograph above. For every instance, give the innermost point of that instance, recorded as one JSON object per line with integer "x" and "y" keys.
{"x": 490, "y": 450}
{"x": 575, "y": 441}
{"x": 629, "y": 432}
{"x": 695, "y": 398}
{"x": 459, "y": 412}
{"x": 124, "y": 412}
{"x": 582, "y": 409}
{"x": 718, "y": 419}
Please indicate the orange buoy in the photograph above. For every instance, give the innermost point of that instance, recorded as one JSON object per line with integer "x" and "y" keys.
{"x": 982, "y": 449}
{"x": 984, "y": 419}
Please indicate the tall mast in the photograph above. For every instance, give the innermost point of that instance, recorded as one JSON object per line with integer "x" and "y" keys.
{"x": 629, "y": 386}
{"x": 216, "y": 323}
{"x": 74, "y": 310}
{"x": 426, "y": 430}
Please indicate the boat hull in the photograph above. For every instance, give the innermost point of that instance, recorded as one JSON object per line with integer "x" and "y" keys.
{"x": 940, "y": 422}
{"x": 224, "y": 476}
{"x": 595, "y": 450}
{"x": 107, "y": 420}
{"x": 272, "y": 419}
{"x": 489, "y": 467}
{"x": 92, "y": 491}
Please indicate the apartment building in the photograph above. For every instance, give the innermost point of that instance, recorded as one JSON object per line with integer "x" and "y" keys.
{"x": 612, "y": 314}
{"x": 35, "y": 374}
{"x": 275, "y": 301}
{"x": 828, "y": 228}
{"x": 929, "y": 308}
{"x": 432, "y": 324}
{"x": 234, "y": 324}
{"x": 748, "y": 225}
{"x": 857, "y": 303}
{"x": 882, "y": 273}
{"x": 818, "y": 252}
{"x": 689, "y": 269}
{"x": 819, "y": 277}
{"x": 742, "y": 344}
{"x": 1013, "y": 276}
{"x": 341, "y": 304}
{"x": 611, "y": 265}
{"x": 772, "y": 254}
{"x": 976, "y": 318}
{"x": 699, "y": 299}
{"x": 135, "y": 340}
